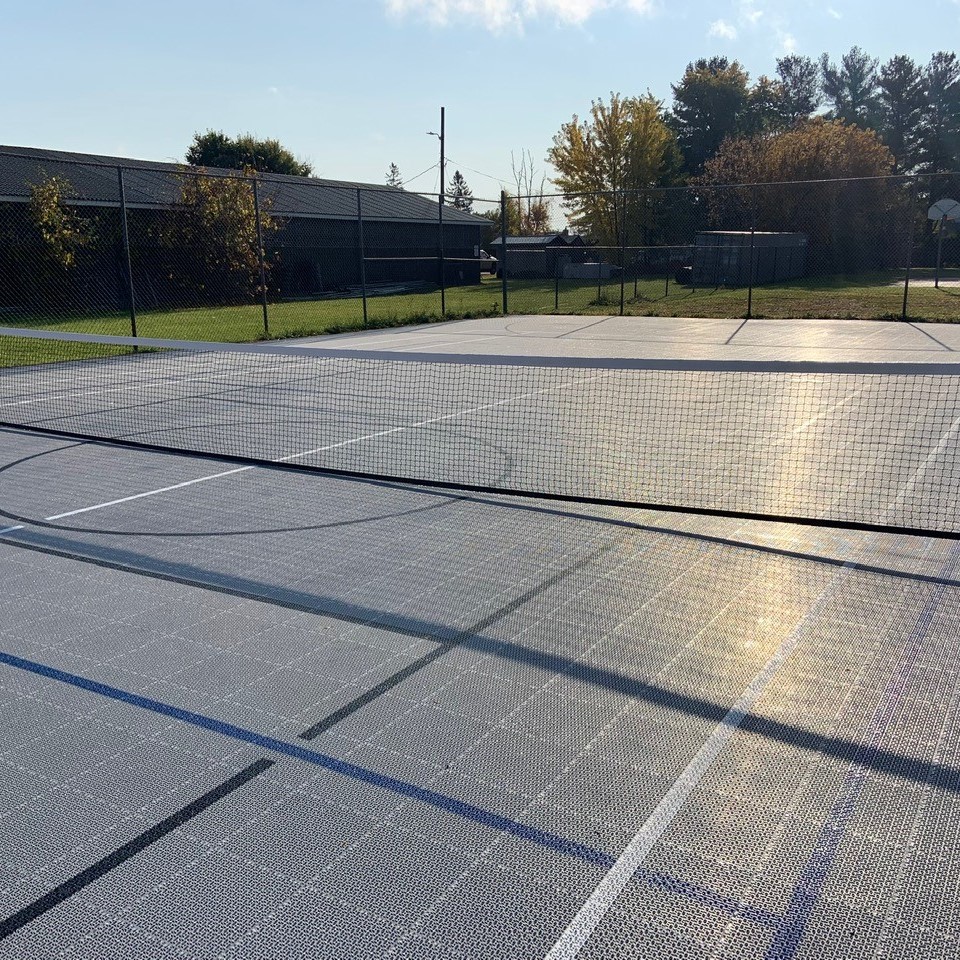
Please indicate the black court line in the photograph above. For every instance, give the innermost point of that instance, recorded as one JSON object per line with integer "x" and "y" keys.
{"x": 445, "y": 645}
{"x": 945, "y": 776}
{"x": 931, "y": 336}
{"x": 729, "y": 339}
{"x": 76, "y": 883}
{"x": 586, "y": 326}
{"x": 408, "y": 671}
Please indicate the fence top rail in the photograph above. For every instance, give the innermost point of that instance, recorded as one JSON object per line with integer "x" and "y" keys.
{"x": 706, "y": 188}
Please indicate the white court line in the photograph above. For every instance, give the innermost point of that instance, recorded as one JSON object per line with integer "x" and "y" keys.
{"x": 823, "y": 413}
{"x": 304, "y": 453}
{"x": 139, "y": 385}
{"x": 445, "y": 343}
{"x": 149, "y": 493}
{"x": 424, "y": 423}
{"x": 591, "y": 914}
{"x": 87, "y": 393}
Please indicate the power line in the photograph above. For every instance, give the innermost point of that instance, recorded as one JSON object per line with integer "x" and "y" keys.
{"x": 500, "y": 180}
{"x": 422, "y": 173}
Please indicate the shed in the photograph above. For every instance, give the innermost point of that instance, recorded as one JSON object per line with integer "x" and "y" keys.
{"x": 544, "y": 256}
{"x": 723, "y": 257}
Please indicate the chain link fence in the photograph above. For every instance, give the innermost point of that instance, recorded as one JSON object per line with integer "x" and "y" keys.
{"x": 860, "y": 248}
{"x": 167, "y": 251}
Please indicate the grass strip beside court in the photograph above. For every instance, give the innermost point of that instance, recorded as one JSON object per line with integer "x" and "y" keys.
{"x": 866, "y": 297}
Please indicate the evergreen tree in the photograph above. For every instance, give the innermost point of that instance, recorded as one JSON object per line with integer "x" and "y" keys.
{"x": 902, "y": 106}
{"x": 852, "y": 88}
{"x": 394, "y": 179}
{"x": 710, "y": 103}
{"x": 767, "y": 108}
{"x": 940, "y": 130}
{"x": 461, "y": 196}
{"x": 800, "y": 80}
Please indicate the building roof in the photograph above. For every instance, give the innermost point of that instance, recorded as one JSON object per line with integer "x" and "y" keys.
{"x": 149, "y": 184}
{"x": 544, "y": 240}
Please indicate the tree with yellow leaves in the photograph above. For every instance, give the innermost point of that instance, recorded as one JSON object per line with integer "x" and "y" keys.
{"x": 604, "y": 162}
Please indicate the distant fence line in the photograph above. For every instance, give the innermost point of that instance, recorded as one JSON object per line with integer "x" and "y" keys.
{"x": 81, "y": 240}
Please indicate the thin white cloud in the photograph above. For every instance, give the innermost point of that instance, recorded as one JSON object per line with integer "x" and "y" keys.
{"x": 497, "y": 15}
{"x": 836, "y": 14}
{"x": 722, "y": 29}
{"x": 749, "y": 14}
{"x": 788, "y": 42}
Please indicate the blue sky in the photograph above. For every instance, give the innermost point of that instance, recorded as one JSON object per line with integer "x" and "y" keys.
{"x": 352, "y": 86}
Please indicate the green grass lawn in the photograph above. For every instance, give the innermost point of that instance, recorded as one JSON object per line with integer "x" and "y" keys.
{"x": 869, "y": 297}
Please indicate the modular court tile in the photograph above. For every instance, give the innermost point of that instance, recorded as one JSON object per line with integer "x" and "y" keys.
{"x": 286, "y": 715}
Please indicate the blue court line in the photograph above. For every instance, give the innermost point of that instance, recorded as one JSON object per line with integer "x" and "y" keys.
{"x": 806, "y": 893}
{"x": 551, "y": 841}
{"x": 469, "y": 811}
{"x": 709, "y": 898}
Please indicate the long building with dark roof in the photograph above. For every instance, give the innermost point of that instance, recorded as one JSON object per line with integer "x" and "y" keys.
{"x": 314, "y": 250}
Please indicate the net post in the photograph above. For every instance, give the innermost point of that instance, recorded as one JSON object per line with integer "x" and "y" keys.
{"x": 910, "y": 231}
{"x": 260, "y": 261}
{"x": 503, "y": 249}
{"x": 753, "y": 233}
{"x": 623, "y": 248}
{"x": 125, "y": 232}
{"x": 363, "y": 256}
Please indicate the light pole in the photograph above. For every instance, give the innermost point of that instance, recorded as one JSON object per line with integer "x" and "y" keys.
{"x": 442, "y": 138}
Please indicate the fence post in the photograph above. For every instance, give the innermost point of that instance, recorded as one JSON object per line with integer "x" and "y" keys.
{"x": 940, "y": 226}
{"x": 556, "y": 286}
{"x": 906, "y": 278}
{"x": 263, "y": 271}
{"x": 131, "y": 296}
{"x": 443, "y": 267}
{"x": 753, "y": 231}
{"x": 666, "y": 286}
{"x": 363, "y": 256}
{"x": 623, "y": 248}
{"x": 503, "y": 248}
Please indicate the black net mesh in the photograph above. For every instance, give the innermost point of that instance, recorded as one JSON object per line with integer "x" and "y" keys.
{"x": 838, "y": 443}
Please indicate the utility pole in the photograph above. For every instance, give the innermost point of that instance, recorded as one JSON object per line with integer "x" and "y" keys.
{"x": 443, "y": 159}
{"x": 443, "y": 187}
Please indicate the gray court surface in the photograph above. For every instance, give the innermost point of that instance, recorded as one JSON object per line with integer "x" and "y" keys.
{"x": 260, "y": 713}
{"x": 669, "y": 337}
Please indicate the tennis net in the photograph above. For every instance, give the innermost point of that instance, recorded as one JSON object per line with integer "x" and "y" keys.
{"x": 858, "y": 445}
